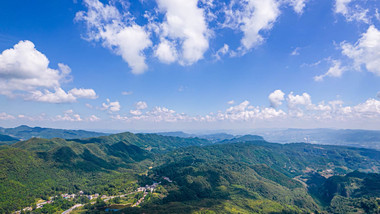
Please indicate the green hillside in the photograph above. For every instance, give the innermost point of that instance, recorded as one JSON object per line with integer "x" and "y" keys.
{"x": 242, "y": 175}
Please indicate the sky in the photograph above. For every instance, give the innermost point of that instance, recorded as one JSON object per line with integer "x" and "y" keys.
{"x": 169, "y": 65}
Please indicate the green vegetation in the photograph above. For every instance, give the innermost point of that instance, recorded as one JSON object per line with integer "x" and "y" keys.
{"x": 241, "y": 175}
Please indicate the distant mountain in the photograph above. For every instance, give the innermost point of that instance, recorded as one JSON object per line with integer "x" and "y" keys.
{"x": 217, "y": 136}
{"x": 246, "y": 138}
{"x": 346, "y": 137}
{"x": 212, "y": 137}
{"x": 176, "y": 134}
{"x": 25, "y": 132}
{"x": 6, "y": 139}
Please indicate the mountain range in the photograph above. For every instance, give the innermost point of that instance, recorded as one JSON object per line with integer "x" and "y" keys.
{"x": 24, "y": 132}
{"x": 244, "y": 174}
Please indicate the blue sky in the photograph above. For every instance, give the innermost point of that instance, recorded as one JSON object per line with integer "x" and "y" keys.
{"x": 157, "y": 65}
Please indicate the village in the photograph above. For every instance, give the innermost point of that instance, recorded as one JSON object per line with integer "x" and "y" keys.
{"x": 145, "y": 189}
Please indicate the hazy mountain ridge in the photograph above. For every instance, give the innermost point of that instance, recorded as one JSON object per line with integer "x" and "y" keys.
{"x": 24, "y": 132}
{"x": 344, "y": 137}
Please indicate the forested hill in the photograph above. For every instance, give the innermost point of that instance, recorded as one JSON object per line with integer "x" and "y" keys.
{"x": 245, "y": 174}
{"x": 25, "y": 132}
{"x": 6, "y": 139}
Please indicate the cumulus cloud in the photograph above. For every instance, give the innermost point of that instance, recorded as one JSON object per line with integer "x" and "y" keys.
{"x": 246, "y": 112}
{"x": 68, "y": 115}
{"x": 135, "y": 112}
{"x": 117, "y": 31}
{"x": 276, "y": 98}
{"x": 181, "y": 28}
{"x": 185, "y": 25}
{"x": 298, "y": 5}
{"x": 341, "y": 6}
{"x": 166, "y": 52}
{"x": 83, "y": 93}
{"x": 298, "y": 103}
{"x": 111, "y": 106}
{"x": 93, "y": 118}
{"x": 366, "y": 51}
{"x": 141, "y": 105}
{"x": 25, "y": 72}
{"x": 5, "y": 116}
{"x": 58, "y": 96}
{"x": 336, "y": 70}
{"x": 300, "y": 110}
{"x": 252, "y": 18}
{"x": 298, "y": 100}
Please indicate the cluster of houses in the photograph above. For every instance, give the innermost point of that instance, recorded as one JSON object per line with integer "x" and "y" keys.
{"x": 148, "y": 188}
{"x": 68, "y": 196}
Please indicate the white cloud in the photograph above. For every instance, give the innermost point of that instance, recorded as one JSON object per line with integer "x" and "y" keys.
{"x": 158, "y": 114}
{"x": 298, "y": 5}
{"x": 126, "y": 93}
{"x": 295, "y": 52}
{"x": 221, "y": 52}
{"x": 245, "y": 112}
{"x": 135, "y": 112}
{"x": 298, "y": 100}
{"x": 111, "y": 106}
{"x": 116, "y": 31}
{"x": 166, "y": 52}
{"x": 252, "y": 18}
{"x": 83, "y": 93}
{"x": 141, "y": 105}
{"x": 341, "y": 6}
{"x": 58, "y": 96}
{"x": 5, "y": 116}
{"x": 366, "y": 51}
{"x": 351, "y": 13}
{"x": 93, "y": 118}
{"x": 276, "y": 98}
{"x": 231, "y": 102}
{"x": 24, "y": 68}
{"x": 89, "y": 106}
{"x": 119, "y": 117}
{"x": 336, "y": 70}
{"x": 368, "y": 109}
{"x": 300, "y": 111}
{"x": 185, "y": 25}
{"x": 25, "y": 72}
{"x": 68, "y": 115}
